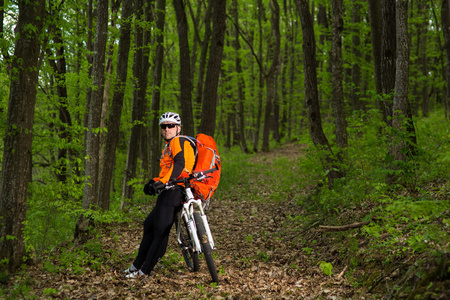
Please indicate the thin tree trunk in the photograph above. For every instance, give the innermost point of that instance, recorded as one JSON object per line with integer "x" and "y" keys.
{"x": 109, "y": 70}
{"x": 155, "y": 148}
{"x": 89, "y": 59}
{"x": 403, "y": 144}
{"x": 185, "y": 69}
{"x": 59, "y": 67}
{"x": 442, "y": 50}
{"x": 144, "y": 153}
{"x": 445, "y": 16}
{"x": 283, "y": 86}
{"x": 356, "y": 66}
{"x": 375, "y": 26}
{"x": 276, "y": 98}
{"x": 260, "y": 78}
{"x": 424, "y": 64}
{"x": 203, "y": 59}
{"x": 311, "y": 95}
{"x": 240, "y": 94}
{"x": 337, "y": 73}
{"x": 16, "y": 165}
{"x": 112, "y": 135}
{"x": 92, "y": 163}
{"x": 197, "y": 41}
{"x": 322, "y": 20}
{"x": 272, "y": 75}
{"x": 388, "y": 57}
{"x": 208, "y": 122}
{"x": 140, "y": 71}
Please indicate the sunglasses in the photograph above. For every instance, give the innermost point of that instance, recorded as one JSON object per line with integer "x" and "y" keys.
{"x": 164, "y": 126}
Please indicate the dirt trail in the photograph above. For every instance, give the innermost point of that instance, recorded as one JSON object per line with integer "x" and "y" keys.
{"x": 254, "y": 257}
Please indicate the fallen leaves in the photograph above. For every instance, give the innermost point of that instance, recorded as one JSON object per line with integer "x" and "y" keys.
{"x": 255, "y": 259}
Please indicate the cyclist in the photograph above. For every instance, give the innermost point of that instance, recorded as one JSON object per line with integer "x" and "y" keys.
{"x": 178, "y": 159}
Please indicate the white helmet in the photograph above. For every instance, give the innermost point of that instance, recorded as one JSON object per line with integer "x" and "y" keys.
{"x": 170, "y": 117}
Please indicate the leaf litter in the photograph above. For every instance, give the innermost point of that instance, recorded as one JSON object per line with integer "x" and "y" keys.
{"x": 256, "y": 258}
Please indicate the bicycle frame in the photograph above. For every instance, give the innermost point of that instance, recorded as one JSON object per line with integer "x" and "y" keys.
{"x": 187, "y": 213}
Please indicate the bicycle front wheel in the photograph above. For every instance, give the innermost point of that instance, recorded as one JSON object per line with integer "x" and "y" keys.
{"x": 206, "y": 247}
{"x": 187, "y": 248}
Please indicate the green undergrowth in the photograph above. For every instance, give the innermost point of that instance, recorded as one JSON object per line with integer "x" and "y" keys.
{"x": 407, "y": 223}
{"x": 403, "y": 241}
{"x": 404, "y": 228}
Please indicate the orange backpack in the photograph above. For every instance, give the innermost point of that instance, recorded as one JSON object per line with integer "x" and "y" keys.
{"x": 207, "y": 157}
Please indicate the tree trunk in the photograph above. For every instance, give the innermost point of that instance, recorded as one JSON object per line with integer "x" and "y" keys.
{"x": 155, "y": 145}
{"x": 16, "y": 166}
{"x": 197, "y": 41}
{"x": 144, "y": 152}
{"x": 112, "y": 135}
{"x": 423, "y": 57}
{"x": 283, "y": 85}
{"x": 202, "y": 62}
{"x": 185, "y": 69}
{"x": 311, "y": 95}
{"x": 208, "y": 122}
{"x": 109, "y": 73}
{"x": 89, "y": 59}
{"x": 240, "y": 81}
{"x": 337, "y": 73}
{"x": 375, "y": 26}
{"x": 260, "y": 77}
{"x": 92, "y": 163}
{"x": 445, "y": 16}
{"x": 272, "y": 75}
{"x": 322, "y": 20}
{"x": 402, "y": 118}
{"x": 356, "y": 65}
{"x": 140, "y": 71}
{"x": 59, "y": 68}
{"x": 388, "y": 57}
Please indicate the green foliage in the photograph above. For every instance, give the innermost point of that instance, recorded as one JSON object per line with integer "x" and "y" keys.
{"x": 307, "y": 250}
{"x": 50, "y": 223}
{"x": 263, "y": 256}
{"x": 50, "y": 292}
{"x": 405, "y": 219}
{"x": 367, "y": 166}
{"x": 413, "y": 226}
{"x": 4, "y": 276}
{"x": 93, "y": 256}
{"x": 326, "y": 268}
{"x": 21, "y": 289}
{"x": 171, "y": 259}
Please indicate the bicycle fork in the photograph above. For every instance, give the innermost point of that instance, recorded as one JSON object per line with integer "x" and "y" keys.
{"x": 188, "y": 208}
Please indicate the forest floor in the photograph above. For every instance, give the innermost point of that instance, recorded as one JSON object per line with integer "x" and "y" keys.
{"x": 257, "y": 257}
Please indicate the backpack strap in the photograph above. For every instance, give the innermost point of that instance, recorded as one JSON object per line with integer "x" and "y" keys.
{"x": 193, "y": 142}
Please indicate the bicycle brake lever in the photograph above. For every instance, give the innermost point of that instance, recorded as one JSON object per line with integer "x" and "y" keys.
{"x": 200, "y": 176}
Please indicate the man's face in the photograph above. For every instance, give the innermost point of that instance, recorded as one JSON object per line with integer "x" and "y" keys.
{"x": 169, "y": 130}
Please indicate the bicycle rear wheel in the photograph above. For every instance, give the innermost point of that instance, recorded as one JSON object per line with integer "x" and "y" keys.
{"x": 206, "y": 247}
{"x": 187, "y": 248}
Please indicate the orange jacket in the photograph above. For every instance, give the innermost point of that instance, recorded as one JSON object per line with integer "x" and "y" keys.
{"x": 177, "y": 159}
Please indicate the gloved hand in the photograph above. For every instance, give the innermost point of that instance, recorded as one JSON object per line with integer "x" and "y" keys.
{"x": 148, "y": 188}
{"x": 158, "y": 187}
{"x": 152, "y": 188}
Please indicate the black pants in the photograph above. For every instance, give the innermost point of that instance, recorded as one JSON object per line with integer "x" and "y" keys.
{"x": 157, "y": 228}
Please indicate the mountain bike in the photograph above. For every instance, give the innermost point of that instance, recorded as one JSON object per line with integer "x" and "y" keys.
{"x": 193, "y": 232}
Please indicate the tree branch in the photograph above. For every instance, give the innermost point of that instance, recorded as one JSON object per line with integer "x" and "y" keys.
{"x": 344, "y": 227}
